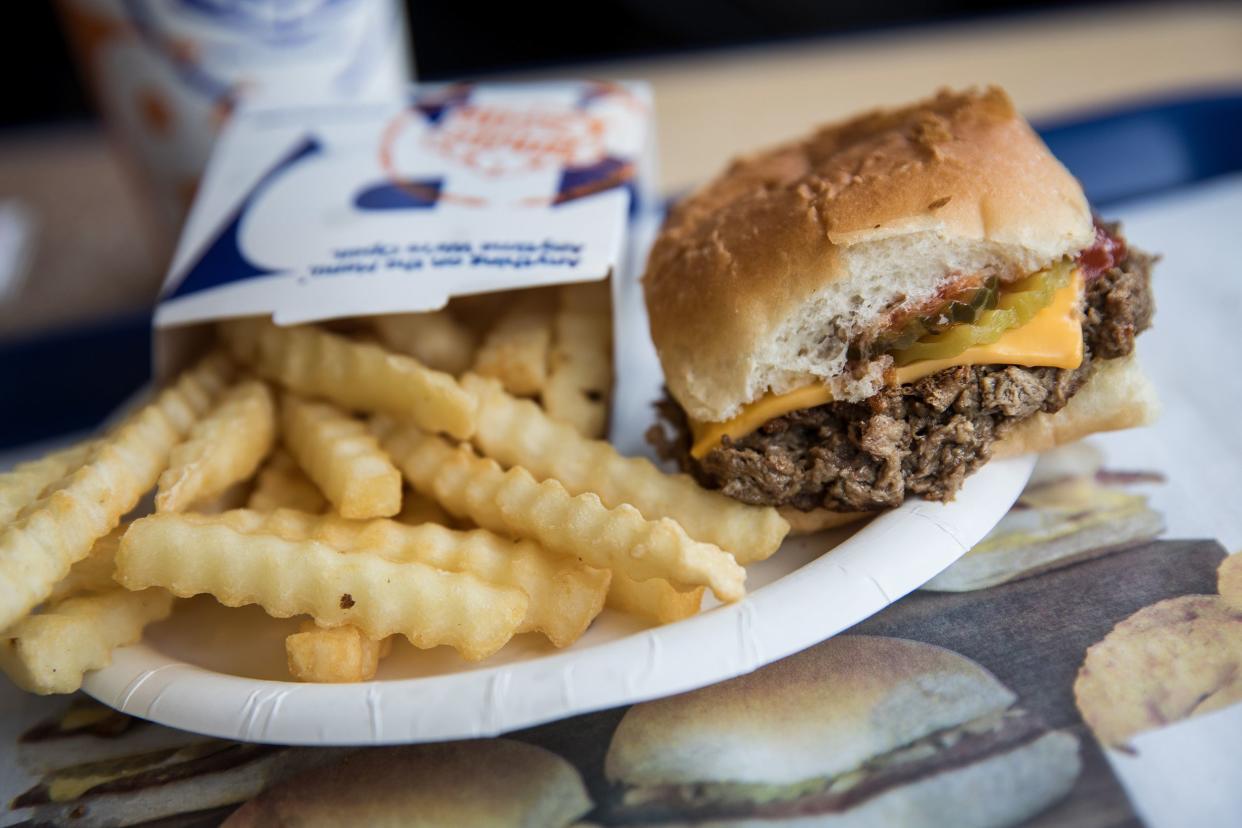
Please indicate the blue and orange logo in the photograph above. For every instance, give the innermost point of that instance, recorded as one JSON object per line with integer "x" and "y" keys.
{"x": 543, "y": 156}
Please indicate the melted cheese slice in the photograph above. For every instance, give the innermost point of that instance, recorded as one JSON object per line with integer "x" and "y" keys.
{"x": 1053, "y": 338}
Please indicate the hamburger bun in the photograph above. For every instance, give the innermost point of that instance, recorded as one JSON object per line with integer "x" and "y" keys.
{"x": 831, "y": 711}
{"x": 487, "y": 782}
{"x": 1117, "y": 395}
{"x": 987, "y": 794}
{"x": 854, "y": 221}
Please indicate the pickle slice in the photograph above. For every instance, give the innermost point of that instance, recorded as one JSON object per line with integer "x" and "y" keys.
{"x": 964, "y": 308}
{"x": 963, "y": 311}
{"x": 1014, "y": 307}
{"x": 1034, "y": 293}
{"x": 989, "y": 327}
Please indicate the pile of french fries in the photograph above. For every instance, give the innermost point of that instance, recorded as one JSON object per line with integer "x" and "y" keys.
{"x": 438, "y": 476}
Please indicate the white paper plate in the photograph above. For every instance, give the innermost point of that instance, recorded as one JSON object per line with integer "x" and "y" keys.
{"x": 222, "y": 671}
{"x": 215, "y": 671}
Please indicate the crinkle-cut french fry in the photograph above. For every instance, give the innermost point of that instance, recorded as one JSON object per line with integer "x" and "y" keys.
{"x": 580, "y": 362}
{"x": 514, "y": 503}
{"x": 224, "y": 447}
{"x": 435, "y": 339}
{"x": 342, "y": 457}
{"x": 565, "y": 594}
{"x": 51, "y": 651}
{"x": 417, "y": 508}
{"x": 515, "y": 350}
{"x": 352, "y": 374}
{"x": 281, "y": 484}
{"x": 587, "y": 297}
{"x": 26, "y": 481}
{"x": 192, "y": 554}
{"x": 234, "y": 497}
{"x": 94, "y": 572}
{"x": 56, "y": 531}
{"x": 653, "y": 600}
{"x": 333, "y": 654}
{"x": 518, "y": 433}
{"x": 479, "y": 311}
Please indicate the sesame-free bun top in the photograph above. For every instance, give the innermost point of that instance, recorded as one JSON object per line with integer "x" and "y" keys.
{"x": 822, "y": 712}
{"x": 759, "y": 280}
{"x": 480, "y": 782}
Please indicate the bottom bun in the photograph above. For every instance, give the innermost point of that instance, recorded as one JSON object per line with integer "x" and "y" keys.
{"x": 1116, "y": 395}
{"x": 1004, "y": 789}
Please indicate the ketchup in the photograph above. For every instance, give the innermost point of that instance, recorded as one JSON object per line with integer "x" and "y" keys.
{"x": 1106, "y": 251}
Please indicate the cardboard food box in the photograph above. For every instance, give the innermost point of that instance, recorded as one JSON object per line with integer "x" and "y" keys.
{"x": 317, "y": 213}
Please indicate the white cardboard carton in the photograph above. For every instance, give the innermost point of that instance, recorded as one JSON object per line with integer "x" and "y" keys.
{"x": 349, "y": 210}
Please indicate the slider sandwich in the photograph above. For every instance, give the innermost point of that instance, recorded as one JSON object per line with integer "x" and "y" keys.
{"x": 874, "y": 311}
{"x": 857, "y": 732}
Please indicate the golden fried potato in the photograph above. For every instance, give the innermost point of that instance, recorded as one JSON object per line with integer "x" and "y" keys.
{"x": 224, "y": 447}
{"x": 342, "y": 457}
{"x": 27, "y": 481}
{"x": 59, "y": 529}
{"x": 518, "y": 433}
{"x": 655, "y": 600}
{"x": 354, "y": 375}
{"x": 417, "y": 508}
{"x": 564, "y": 594}
{"x": 281, "y": 484}
{"x": 51, "y": 651}
{"x": 580, "y": 362}
{"x": 435, "y": 339}
{"x": 336, "y": 655}
{"x": 515, "y": 350}
{"x": 94, "y": 572}
{"x": 192, "y": 554}
{"x": 514, "y": 503}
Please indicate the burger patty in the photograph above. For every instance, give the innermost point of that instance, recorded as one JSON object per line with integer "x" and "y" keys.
{"x": 920, "y": 439}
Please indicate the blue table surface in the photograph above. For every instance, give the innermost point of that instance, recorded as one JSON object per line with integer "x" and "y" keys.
{"x": 69, "y": 380}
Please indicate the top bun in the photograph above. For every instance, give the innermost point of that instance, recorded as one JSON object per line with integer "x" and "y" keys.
{"x": 482, "y": 782}
{"x": 759, "y": 280}
{"x": 821, "y": 712}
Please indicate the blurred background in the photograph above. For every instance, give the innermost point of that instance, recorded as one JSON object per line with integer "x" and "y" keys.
{"x": 450, "y": 42}
{"x": 110, "y": 108}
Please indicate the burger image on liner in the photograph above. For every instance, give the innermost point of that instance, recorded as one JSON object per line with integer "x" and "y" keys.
{"x": 1064, "y": 516}
{"x": 481, "y": 782}
{"x": 858, "y": 731}
{"x": 873, "y": 311}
